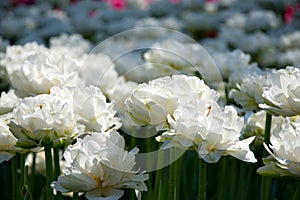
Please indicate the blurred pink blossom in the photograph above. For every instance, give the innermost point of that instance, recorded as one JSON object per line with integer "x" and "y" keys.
{"x": 288, "y": 15}
{"x": 212, "y": 1}
{"x": 92, "y": 13}
{"x": 118, "y": 4}
{"x": 22, "y": 2}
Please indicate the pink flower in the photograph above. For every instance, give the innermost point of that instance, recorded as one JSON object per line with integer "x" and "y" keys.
{"x": 118, "y": 4}
{"x": 92, "y": 13}
{"x": 288, "y": 15}
{"x": 22, "y": 2}
{"x": 212, "y": 1}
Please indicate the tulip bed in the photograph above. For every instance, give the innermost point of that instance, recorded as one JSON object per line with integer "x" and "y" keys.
{"x": 150, "y": 99}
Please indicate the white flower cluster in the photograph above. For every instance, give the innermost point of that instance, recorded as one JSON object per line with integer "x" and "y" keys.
{"x": 99, "y": 166}
{"x": 186, "y": 109}
{"x": 282, "y": 95}
{"x": 275, "y": 92}
{"x": 55, "y": 91}
{"x": 44, "y": 70}
{"x": 171, "y": 56}
{"x": 230, "y": 62}
{"x": 7, "y": 141}
{"x": 284, "y": 149}
{"x": 42, "y": 119}
{"x": 55, "y": 98}
{"x": 247, "y": 87}
{"x": 255, "y": 126}
{"x": 63, "y": 114}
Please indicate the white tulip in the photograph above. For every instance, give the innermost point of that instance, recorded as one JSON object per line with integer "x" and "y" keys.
{"x": 209, "y": 131}
{"x": 8, "y": 101}
{"x": 15, "y": 55}
{"x": 248, "y": 93}
{"x": 172, "y": 56}
{"x": 99, "y": 70}
{"x": 42, "y": 119}
{"x": 255, "y": 126}
{"x": 229, "y": 62}
{"x": 282, "y": 95}
{"x": 7, "y": 140}
{"x": 43, "y": 70}
{"x": 90, "y": 107}
{"x": 99, "y": 166}
{"x": 284, "y": 150}
{"x": 150, "y": 104}
{"x": 65, "y": 43}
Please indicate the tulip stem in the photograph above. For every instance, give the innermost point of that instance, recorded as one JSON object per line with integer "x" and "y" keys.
{"x": 297, "y": 193}
{"x": 222, "y": 176}
{"x": 57, "y": 169}
{"x": 267, "y": 134}
{"x": 233, "y": 166}
{"x": 158, "y": 177}
{"x": 158, "y": 184}
{"x": 49, "y": 171}
{"x": 75, "y": 196}
{"x": 174, "y": 174}
{"x": 14, "y": 170}
{"x": 266, "y": 181}
{"x": 241, "y": 182}
{"x": 22, "y": 167}
{"x": 33, "y": 167}
{"x": 202, "y": 180}
{"x": 178, "y": 167}
{"x": 172, "y": 177}
{"x": 25, "y": 191}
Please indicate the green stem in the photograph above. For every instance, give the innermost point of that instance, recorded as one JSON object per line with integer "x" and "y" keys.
{"x": 297, "y": 193}
{"x": 49, "y": 171}
{"x": 172, "y": 182}
{"x": 132, "y": 141}
{"x": 158, "y": 177}
{"x": 132, "y": 195}
{"x": 25, "y": 192}
{"x": 14, "y": 175}
{"x": 266, "y": 181}
{"x": 267, "y": 134}
{"x": 172, "y": 177}
{"x": 232, "y": 173}
{"x": 149, "y": 147}
{"x": 158, "y": 184}
{"x": 32, "y": 175}
{"x": 132, "y": 144}
{"x": 163, "y": 193}
{"x": 22, "y": 167}
{"x": 57, "y": 169}
{"x": 202, "y": 180}
{"x": 241, "y": 181}
{"x": 33, "y": 166}
{"x": 75, "y": 196}
{"x": 178, "y": 167}
{"x": 266, "y": 188}
{"x": 148, "y": 144}
{"x": 222, "y": 183}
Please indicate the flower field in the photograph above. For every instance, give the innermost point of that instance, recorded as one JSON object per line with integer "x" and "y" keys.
{"x": 150, "y": 99}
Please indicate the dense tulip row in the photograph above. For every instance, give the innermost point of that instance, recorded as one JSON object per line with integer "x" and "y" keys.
{"x": 150, "y": 113}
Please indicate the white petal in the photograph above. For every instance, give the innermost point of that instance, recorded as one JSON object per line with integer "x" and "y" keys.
{"x": 241, "y": 150}
{"x": 104, "y": 194}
